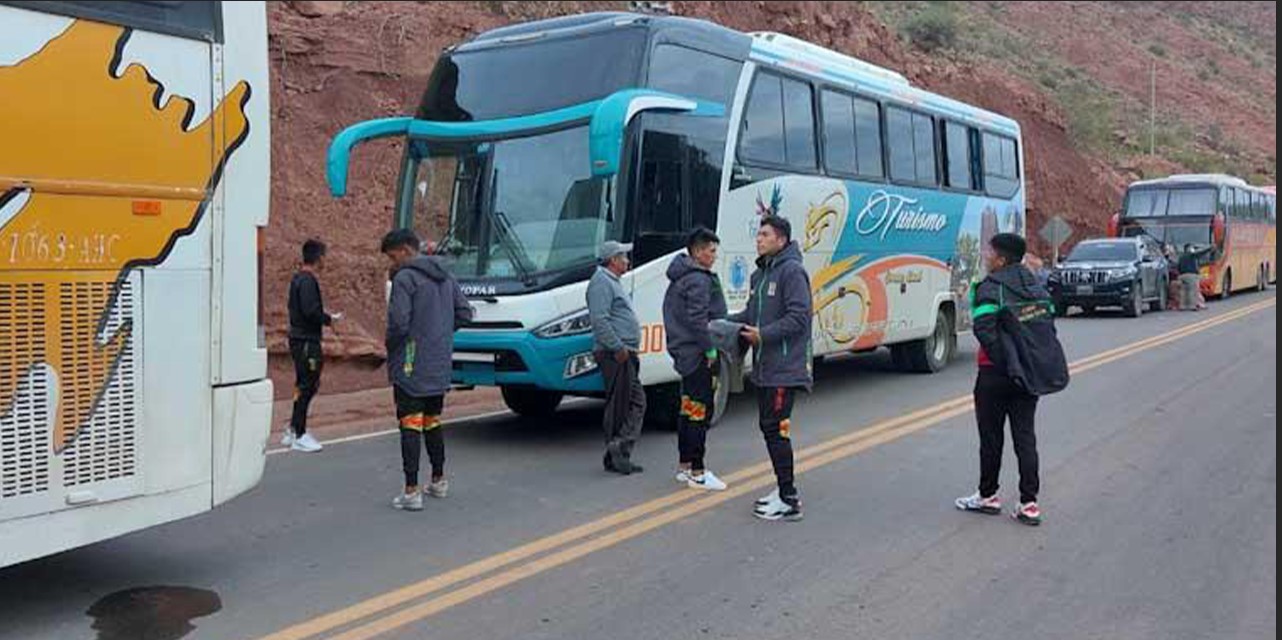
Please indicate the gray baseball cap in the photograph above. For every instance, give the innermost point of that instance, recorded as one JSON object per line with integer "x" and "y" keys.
{"x": 611, "y": 248}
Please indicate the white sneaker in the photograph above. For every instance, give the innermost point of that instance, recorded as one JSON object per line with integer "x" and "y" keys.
{"x": 306, "y": 443}
{"x": 408, "y": 501}
{"x": 991, "y": 505}
{"x": 769, "y": 498}
{"x": 683, "y": 475}
{"x": 437, "y": 489}
{"x": 287, "y": 439}
{"x": 708, "y": 482}
{"x": 779, "y": 510}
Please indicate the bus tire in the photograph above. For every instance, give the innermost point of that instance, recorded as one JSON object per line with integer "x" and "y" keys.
{"x": 663, "y": 405}
{"x": 529, "y": 402}
{"x": 1226, "y": 285}
{"x": 1262, "y": 280}
{"x": 931, "y": 354}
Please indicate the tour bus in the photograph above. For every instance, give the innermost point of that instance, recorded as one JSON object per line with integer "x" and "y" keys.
{"x": 1235, "y": 221}
{"x": 133, "y": 194}
{"x": 533, "y": 143}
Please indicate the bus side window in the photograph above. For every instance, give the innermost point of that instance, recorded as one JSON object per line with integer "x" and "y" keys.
{"x": 1001, "y": 165}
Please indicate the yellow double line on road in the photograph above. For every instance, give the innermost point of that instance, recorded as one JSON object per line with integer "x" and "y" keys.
{"x": 388, "y": 612}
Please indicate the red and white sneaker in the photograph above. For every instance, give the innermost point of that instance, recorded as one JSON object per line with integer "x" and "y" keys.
{"x": 991, "y": 505}
{"x": 1028, "y": 513}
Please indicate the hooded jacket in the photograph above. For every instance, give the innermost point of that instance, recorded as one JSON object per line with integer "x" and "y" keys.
{"x": 1014, "y": 321}
{"x": 780, "y": 306}
{"x": 425, "y": 308}
{"x": 693, "y": 299}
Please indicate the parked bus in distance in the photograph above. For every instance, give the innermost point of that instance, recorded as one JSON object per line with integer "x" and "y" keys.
{"x": 535, "y": 142}
{"x": 133, "y": 195}
{"x": 1235, "y": 221}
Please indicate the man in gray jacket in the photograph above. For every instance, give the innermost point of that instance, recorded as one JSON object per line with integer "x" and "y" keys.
{"x": 778, "y": 319}
{"x": 616, "y": 339}
{"x": 693, "y": 300}
{"x": 425, "y": 308}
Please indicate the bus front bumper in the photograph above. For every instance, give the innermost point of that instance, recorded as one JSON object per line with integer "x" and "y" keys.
{"x": 519, "y": 358}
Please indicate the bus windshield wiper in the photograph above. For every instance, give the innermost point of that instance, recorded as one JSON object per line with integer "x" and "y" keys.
{"x": 506, "y": 237}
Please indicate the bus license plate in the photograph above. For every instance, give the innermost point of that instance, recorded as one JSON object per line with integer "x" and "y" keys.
{"x": 1085, "y": 290}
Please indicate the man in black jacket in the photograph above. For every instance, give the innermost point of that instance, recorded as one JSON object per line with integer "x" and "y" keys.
{"x": 778, "y": 319}
{"x": 1019, "y": 359}
{"x": 693, "y": 300}
{"x": 307, "y": 320}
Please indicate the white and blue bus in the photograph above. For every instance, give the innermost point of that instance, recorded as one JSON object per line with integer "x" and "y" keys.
{"x": 535, "y": 142}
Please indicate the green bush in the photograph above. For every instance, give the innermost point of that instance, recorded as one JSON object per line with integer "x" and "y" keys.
{"x": 933, "y": 29}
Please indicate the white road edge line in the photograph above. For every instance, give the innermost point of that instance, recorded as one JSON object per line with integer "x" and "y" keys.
{"x": 378, "y": 434}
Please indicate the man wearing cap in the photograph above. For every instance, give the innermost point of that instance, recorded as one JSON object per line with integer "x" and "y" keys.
{"x": 616, "y": 338}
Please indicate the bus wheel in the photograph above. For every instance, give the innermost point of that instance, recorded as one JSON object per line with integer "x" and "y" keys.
{"x": 931, "y": 354}
{"x": 531, "y": 403}
{"x": 1226, "y": 289}
{"x": 1262, "y": 280}
{"x": 663, "y": 405}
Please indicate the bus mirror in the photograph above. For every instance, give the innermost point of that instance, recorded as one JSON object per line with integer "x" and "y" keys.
{"x": 613, "y": 114}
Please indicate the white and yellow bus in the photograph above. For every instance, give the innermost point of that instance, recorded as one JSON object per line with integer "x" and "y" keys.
{"x": 133, "y": 193}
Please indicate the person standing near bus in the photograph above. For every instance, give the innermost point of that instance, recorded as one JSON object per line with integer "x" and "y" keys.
{"x": 616, "y": 340}
{"x": 307, "y": 321}
{"x": 777, "y": 321}
{"x": 1020, "y": 359}
{"x": 425, "y": 308}
{"x": 1190, "y": 267}
{"x": 694, "y": 299}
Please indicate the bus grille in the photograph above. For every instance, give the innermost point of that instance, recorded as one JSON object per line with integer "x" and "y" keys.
{"x": 105, "y": 446}
{"x": 25, "y": 402}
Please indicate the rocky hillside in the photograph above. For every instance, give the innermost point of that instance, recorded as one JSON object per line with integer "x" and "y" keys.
{"x": 1075, "y": 74}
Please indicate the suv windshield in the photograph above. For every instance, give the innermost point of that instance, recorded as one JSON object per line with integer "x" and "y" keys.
{"x": 1105, "y": 252}
{"x": 512, "y": 208}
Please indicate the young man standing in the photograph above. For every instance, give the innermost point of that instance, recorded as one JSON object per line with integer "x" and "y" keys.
{"x": 693, "y": 300}
{"x": 616, "y": 340}
{"x": 1020, "y": 358}
{"x": 307, "y": 321}
{"x": 425, "y": 308}
{"x": 778, "y": 319}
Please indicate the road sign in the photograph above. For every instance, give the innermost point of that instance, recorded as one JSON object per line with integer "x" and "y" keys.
{"x": 1056, "y": 232}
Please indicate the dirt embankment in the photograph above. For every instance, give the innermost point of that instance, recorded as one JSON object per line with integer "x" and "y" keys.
{"x": 334, "y": 63}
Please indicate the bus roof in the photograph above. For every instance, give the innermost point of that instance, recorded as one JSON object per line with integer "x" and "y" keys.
{"x": 766, "y": 48}
{"x": 1195, "y": 179}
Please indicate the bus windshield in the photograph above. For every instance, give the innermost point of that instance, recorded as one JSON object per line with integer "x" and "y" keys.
{"x": 1175, "y": 234}
{"x": 1149, "y": 203}
{"x": 513, "y": 208}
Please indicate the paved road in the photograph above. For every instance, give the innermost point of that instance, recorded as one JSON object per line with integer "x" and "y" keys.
{"x": 1159, "y": 482}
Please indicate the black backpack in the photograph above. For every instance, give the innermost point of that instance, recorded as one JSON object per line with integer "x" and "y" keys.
{"x": 1035, "y": 358}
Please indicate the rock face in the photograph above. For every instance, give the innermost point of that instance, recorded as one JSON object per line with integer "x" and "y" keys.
{"x": 334, "y": 63}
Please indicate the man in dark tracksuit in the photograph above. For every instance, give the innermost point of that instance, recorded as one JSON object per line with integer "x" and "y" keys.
{"x": 693, "y": 300}
{"x": 778, "y": 316}
{"x": 425, "y": 308}
{"x": 307, "y": 321}
{"x": 998, "y": 396}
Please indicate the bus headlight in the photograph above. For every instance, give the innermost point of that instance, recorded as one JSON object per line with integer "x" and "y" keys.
{"x": 579, "y": 365}
{"x": 573, "y": 324}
